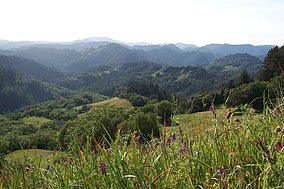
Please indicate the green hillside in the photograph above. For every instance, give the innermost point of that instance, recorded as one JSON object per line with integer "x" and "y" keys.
{"x": 33, "y": 154}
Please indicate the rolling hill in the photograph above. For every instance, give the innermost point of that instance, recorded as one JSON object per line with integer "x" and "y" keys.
{"x": 31, "y": 68}
{"x": 230, "y": 66}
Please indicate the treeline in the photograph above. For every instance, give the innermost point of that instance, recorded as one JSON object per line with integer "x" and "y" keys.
{"x": 140, "y": 93}
{"x": 72, "y": 118}
{"x": 66, "y": 125}
{"x": 243, "y": 90}
{"x": 17, "y": 90}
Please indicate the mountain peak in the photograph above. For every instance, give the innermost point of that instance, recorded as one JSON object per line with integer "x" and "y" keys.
{"x": 96, "y": 39}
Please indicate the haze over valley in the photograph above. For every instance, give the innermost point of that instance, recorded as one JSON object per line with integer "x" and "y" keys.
{"x": 102, "y": 65}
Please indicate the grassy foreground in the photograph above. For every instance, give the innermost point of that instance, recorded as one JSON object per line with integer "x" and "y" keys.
{"x": 216, "y": 153}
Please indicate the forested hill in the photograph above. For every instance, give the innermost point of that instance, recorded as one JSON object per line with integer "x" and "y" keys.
{"x": 41, "y": 72}
{"x": 18, "y": 90}
{"x": 230, "y": 66}
{"x": 31, "y": 68}
{"x": 82, "y": 55}
{"x": 182, "y": 81}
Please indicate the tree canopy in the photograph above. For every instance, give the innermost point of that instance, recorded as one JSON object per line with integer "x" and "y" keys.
{"x": 273, "y": 64}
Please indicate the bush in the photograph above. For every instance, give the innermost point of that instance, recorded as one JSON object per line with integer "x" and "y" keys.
{"x": 95, "y": 124}
{"x": 145, "y": 123}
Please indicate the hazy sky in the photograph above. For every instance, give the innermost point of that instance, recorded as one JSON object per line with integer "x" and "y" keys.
{"x": 197, "y": 22}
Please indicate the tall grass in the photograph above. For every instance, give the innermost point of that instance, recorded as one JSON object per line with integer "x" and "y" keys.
{"x": 229, "y": 153}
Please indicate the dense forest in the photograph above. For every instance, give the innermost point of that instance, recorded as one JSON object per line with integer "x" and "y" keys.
{"x": 48, "y": 93}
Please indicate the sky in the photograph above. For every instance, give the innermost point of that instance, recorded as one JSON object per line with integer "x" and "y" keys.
{"x": 198, "y": 22}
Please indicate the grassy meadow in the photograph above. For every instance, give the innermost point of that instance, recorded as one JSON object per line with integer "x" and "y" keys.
{"x": 199, "y": 150}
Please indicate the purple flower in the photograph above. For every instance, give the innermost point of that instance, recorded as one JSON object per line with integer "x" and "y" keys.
{"x": 229, "y": 114}
{"x": 277, "y": 109}
{"x": 278, "y": 146}
{"x": 94, "y": 152}
{"x": 221, "y": 172}
{"x": 265, "y": 149}
{"x": 103, "y": 167}
{"x": 173, "y": 137}
{"x": 185, "y": 144}
{"x": 211, "y": 109}
{"x": 183, "y": 148}
{"x": 168, "y": 143}
{"x": 122, "y": 141}
{"x": 277, "y": 130}
{"x": 28, "y": 167}
{"x": 180, "y": 130}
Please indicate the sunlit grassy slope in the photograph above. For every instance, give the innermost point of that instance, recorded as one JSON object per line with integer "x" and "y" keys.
{"x": 199, "y": 121}
{"x": 117, "y": 102}
{"x": 35, "y": 121}
{"x": 21, "y": 155}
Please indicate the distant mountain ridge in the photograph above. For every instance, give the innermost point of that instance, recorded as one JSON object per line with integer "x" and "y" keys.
{"x": 31, "y": 68}
{"x": 18, "y": 90}
{"x": 84, "y": 54}
{"x": 230, "y": 66}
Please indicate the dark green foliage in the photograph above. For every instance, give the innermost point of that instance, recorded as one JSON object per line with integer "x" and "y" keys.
{"x": 203, "y": 101}
{"x": 173, "y": 56}
{"x": 273, "y": 64}
{"x": 63, "y": 109}
{"x": 230, "y": 66}
{"x": 250, "y": 93}
{"x": 139, "y": 93}
{"x": 16, "y": 135}
{"x": 18, "y": 90}
{"x": 145, "y": 124}
{"x": 31, "y": 68}
{"x": 95, "y": 124}
{"x": 165, "y": 111}
{"x": 53, "y": 57}
{"x": 111, "y": 54}
{"x": 243, "y": 78}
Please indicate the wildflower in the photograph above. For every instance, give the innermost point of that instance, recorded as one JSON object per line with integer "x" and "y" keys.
{"x": 122, "y": 141}
{"x": 229, "y": 114}
{"x": 183, "y": 148}
{"x": 168, "y": 143}
{"x": 264, "y": 148}
{"x": 237, "y": 120}
{"x": 221, "y": 172}
{"x": 277, "y": 110}
{"x": 278, "y": 146}
{"x": 211, "y": 109}
{"x": 94, "y": 152}
{"x": 28, "y": 167}
{"x": 277, "y": 130}
{"x": 173, "y": 137}
{"x": 185, "y": 144}
{"x": 103, "y": 167}
{"x": 266, "y": 151}
{"x": 180, "y": 130}
{"x": 138, "y": 142}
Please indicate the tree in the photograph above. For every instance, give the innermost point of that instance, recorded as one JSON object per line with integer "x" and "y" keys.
{"x": 243, "y": 78}
{"x": 165, "y": 110}
{"x": 273, "y": 64}
{"x": 145, "y": 123}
